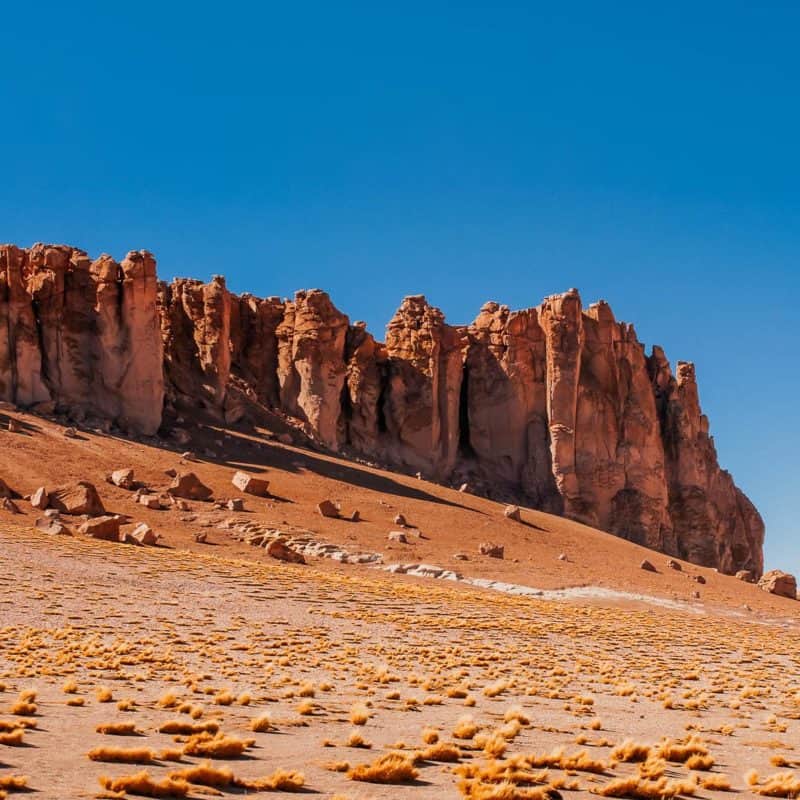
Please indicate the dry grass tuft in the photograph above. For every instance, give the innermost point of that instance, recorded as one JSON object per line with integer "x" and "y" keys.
{"x": 177, "y": 726}
{"x": 388, "y": 768}
{"x": 122, "y": 755}
{"x": 261, "y": 724}
{"x": 142, "y": 784}
{"x": 219, "y": 746}
{"x": 117, "y": 729}
{"x": 635, "y": 787}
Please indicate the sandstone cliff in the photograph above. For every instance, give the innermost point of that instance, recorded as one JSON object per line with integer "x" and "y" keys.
{"x": 557, "y": 406}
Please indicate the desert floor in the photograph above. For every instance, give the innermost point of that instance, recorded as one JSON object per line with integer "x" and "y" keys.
{"x": 218, "y": 671}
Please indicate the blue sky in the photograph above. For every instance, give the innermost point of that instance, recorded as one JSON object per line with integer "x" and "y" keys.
{"x": 647, "y": 154}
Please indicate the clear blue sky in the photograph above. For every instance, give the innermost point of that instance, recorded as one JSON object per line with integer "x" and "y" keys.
{"x": 648, "y": 154}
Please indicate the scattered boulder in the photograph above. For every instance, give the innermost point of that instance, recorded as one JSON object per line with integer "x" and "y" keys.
{"x": 52, "y": 525}
{"x": 151, "y": 501}
{"x": 672, "y": 564}
{"x": 397, "y": 536}
{"x": 7, "y": 504}
{"x": 464, "y": 488}
{"x": 39, "y": 498}
{"x": 250, "y": 484}
{"x": 189, "y": 486}
{"x": 105, "y": 527}
{"x": 461, "y": 557}
{"x": 698, "y": 579}
{"x": 328, "y": 509}
{"x": 279, "y": 549}
{"x": 647, "y": 566}
{"x": 76, "y": 498}
{"x": 400, "y": 520}
{"x": 142, "y": 534}
{"x": 745, "y": 575}
{"x": 355, "y": 516}
{"x": 513, "y": 512}
{"x": 562, "y": 557}
{"x": 188, "y": 456}
{"x": 492, "y": 550}
{"x": 780, "y": 583}
{"x": 235, "y": 504}
{"x": 14, "y": 426}
{"x": 201, "y": 536}
{"x": 122, "y": 478}
{"x": 70, "y": 433}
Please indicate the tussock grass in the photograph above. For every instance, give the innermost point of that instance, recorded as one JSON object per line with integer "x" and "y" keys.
{"x": 177, "y": 726}
{"x": 13, "y": 738}
{"x": 13, "y": 782}
{"x": 357, "y": 740}
{"x": 122, "y": 755}
{"x": 388, "y": 768}
{"x": 103, "y": 694}
{"x": 781, "y": 784}
{"x": 465, "y": 728}
{"x": 642, "y": 789}
{"x": 261, "y": 724}
{"x": 717, "y": 783}
{"x": 142, "y": 784}
{"x": 631, "y": 751}
{"x": 117, "y": 729}
{"x": 359, "y": 715}
{"x": 219, "y": 746}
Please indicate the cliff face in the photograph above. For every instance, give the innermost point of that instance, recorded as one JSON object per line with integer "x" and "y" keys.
{"x": 557, "y": 406}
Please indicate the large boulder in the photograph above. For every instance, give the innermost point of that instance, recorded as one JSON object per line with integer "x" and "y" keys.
{"x": 76, "y": 498}
{"x": 250, "y": 484}
{"x": 142, "y": 534}
{"x": 105, "y": 527}
{"x": 189, "y": 486}
{"x": 122, "y": 478}
{"x": 7, "y": 491}
{"x": 778, "y": 582}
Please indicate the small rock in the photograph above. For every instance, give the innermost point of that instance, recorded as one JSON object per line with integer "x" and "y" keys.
{"x": 328, "y": 509}
{"x": 142, "y": 534}
{"x": 464, "y": 488}
{"x": 400, "y": 520}
{"x": 7, "y": 491}
{"x": 106, "y": 528}
{"x": 562, "y": 556}
{"x": 52, "y": 525}
{"x": 355, "y": 516}
{"x": 698, "y": 579}
{"x": 122, "y": 478}
{"x": 461, "y": 557}
{"x": 696, "y": 594}
{"x": 672, "y": 564}
{"x": 189, "y": 486}
{"x": 171, "y": 472}
{"x": 397, "y": 536}
{"x": 278, "y": 548}
{"x": 188, "y": 456}
{"x": 70, "y": 433}
{"x": 14, "y": 426}
{"x": 235, "y": 504}
{"x": 285, "y": 438}
{"x": 151, "y": 501}
{"x": 647, "y": 566}
{"x": 39, "y": 498}
{"x": 200, "y": 537}
{"x": 492, "y": 550}
{"x": 745, "y": 575}
{"x": 250, "y": 484}
{"x": 513, "y": 512}
{"x": 7, "y": 504}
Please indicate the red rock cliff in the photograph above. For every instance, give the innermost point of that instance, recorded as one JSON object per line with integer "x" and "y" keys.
{"x": 557, "y": 406}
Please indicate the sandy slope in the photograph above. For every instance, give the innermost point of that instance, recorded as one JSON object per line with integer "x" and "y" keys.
{"x": 204, "y": 621}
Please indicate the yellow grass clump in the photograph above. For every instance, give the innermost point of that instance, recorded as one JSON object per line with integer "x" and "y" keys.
{"x": 388, "y": 768}
{"x": 359, "y": 715}
{"x": 117, "y": 729}
{"x": 122, "y": 755}
{"x": 219, "y": 746}
{"x": 142, "y": 784}
{"x": 642, "y": 789}
{"x": 261, "y": 724}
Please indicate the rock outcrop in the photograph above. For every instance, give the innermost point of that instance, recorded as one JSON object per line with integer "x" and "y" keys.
{"x": 557, "y": 407}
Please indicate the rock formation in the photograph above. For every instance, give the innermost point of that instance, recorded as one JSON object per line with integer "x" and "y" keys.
{"x": 556, "y": 406}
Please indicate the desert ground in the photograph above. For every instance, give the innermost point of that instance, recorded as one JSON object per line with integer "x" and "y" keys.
{"x": 207, "y": 668}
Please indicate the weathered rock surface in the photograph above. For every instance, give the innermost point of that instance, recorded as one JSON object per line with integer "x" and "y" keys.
{"x": 105, "y": 527}
{"x": 781, "y": 583}
{"x": 76, "y": 498}
{"x": 188, "y": 486}
{"x": 556, "y": 407}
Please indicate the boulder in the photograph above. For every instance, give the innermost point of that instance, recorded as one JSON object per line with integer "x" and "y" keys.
{"x": 492, "y": 550}
{"x": 647, "y": 566}
{"x": 780, "y": 583}
{"x": 142, "y": 534}
{"x": 673, "y": 564}
{"x": 52, "y": 525}
{"x": 512, "y": 512}
{"x": 279, "y": 549}
{"x": 328, "y": 509}
{"x": 76, "y": 498}
{"x": 188, "y": 486}
{"x": 7, "y": 504}
{"x": 151, "y": 501}
{"x": 39, "y": 498}
{"x": 105, "y": 527}
{"x": 122, "y": 478}
{"x": 355, "y": 516}
{"x": 745, "y": 575}
{"x": 235, "y": 504}
{"x": 14, "y": 426}
{"x": 397, "y": 536}
{"x": 250, "y": 484}
{"x": 400, "y": 520}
